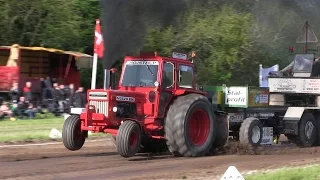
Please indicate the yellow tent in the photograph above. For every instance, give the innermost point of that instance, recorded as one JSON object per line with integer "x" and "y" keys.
{"x": 83, "y": 60}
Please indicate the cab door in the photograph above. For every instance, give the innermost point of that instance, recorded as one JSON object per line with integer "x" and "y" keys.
{"x": 167, "y": 81}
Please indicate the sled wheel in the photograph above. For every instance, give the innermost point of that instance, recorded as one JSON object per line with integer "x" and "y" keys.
{"x": 72, "y": 136}
{"x": 307, "y": 131}
{"x": 251, "y": 132}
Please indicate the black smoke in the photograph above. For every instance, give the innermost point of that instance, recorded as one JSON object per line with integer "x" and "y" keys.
{"x": 125, "y": 22}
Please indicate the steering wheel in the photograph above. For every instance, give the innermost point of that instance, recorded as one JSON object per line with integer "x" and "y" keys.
{"x": 143, "y": 84}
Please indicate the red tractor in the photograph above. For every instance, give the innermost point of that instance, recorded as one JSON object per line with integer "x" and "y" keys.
{"x": 156, "y": 102}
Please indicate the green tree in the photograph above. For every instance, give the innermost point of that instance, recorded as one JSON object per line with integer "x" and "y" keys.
{"x": 61, "y": 24}
{"x": 221, "y": 39}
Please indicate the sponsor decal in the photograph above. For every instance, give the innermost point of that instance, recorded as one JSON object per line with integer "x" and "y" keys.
{"x": 123, "y": 98}
{"x": 236, "y": 96}
{"x": 142, "y": 63}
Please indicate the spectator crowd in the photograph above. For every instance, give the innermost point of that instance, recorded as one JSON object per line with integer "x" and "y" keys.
{"x": 56, "y": 98}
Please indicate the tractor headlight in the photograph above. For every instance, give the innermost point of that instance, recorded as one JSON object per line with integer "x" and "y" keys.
{"x": 114, "y": 109}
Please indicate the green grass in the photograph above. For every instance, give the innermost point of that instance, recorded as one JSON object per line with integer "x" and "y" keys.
{"x": 300, "y": 173}
{"x": 36, "y": 129}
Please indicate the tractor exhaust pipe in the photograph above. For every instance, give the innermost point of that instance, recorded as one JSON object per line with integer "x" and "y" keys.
{"x": 106, "y": 79}
{"x": 109, "y": 79}
{"x": 113, "y": 78}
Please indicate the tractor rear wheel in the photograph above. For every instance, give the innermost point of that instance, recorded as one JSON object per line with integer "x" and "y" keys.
{"x": 72, "y": 136}
{"x": 190, "y": 126}
{"x": 128, "y": 139}
{"x": 251, "y": 132}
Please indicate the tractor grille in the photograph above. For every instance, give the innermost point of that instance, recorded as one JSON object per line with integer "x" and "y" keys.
{"x": 101, "y": 107}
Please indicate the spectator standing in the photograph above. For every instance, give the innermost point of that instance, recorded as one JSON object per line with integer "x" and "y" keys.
{"x": 14, "y": 93}
{"x": 56, "y": 98}
{"x": 63, "y": 96}
{"x": 27, "y": 92}
{"x": 47, "y": 91}
{"x": 71, "y": 93}
{"x": 80, "y": 98}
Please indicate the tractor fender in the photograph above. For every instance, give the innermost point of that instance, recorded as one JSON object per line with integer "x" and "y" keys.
{"x": 75, "y": 111}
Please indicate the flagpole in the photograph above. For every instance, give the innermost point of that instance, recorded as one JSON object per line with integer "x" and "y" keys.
{"x": 94, "y": 71}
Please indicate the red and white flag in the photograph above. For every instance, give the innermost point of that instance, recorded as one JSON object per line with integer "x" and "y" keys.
{"x": 98, "y": 40}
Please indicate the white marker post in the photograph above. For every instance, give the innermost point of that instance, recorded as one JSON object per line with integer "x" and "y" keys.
{"x": 94, "y": 71}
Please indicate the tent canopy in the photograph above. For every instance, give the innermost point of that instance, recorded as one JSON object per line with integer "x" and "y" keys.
{"x": 82, "y": 60}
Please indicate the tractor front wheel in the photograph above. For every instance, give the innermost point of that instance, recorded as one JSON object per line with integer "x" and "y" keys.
{"x": 128, "y": 139}
{"x": 190, "y": 126}
{"x": 72, "y": 136}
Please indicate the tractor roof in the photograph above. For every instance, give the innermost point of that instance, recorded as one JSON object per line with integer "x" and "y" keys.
{"x": 154, "y": 55}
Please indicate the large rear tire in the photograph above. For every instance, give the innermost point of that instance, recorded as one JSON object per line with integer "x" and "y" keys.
{"x": 128, "y": 139}
{"x": 190, "y": 126}
{"x": 251, "y": 132}
{"x": 72, "y": 136}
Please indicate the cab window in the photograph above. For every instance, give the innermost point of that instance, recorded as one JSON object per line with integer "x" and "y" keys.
{"x": 168, "y": 76}
{"x": 185, "y": 75}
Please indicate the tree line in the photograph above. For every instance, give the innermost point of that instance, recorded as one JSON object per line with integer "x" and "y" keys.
{"x": 231, "y": 38}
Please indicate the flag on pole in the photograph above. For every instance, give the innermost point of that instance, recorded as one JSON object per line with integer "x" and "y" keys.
{"x": 264, "y": 73}
{"x": 98, "y": 52}
{"x": 98, "y": 40}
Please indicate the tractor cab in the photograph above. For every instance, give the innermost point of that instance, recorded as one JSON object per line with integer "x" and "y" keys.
{"x": 152, "y": 72}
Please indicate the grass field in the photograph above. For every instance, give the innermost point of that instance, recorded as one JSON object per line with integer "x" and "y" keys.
{"x": 23, "y": 130}
{"x": 300, "y": 173}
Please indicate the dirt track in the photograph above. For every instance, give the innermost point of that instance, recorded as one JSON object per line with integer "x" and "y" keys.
{"x": 98, "y": 160}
